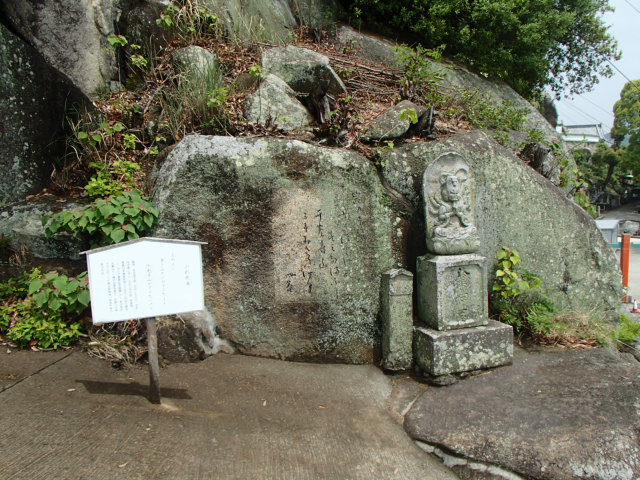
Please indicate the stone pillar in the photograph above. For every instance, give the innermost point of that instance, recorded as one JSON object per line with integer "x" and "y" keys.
{"x": 396, "y": 297}
{"x": 455, "y": 334}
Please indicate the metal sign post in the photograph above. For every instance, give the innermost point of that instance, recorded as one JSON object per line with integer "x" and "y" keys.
{"x": 154, "y": 366}
{"x": 146, "y": 278}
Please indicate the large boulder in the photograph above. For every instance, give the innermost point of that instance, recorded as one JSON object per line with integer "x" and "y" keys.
{"x": 316, "y": 14}
{"x": 249, "y": 21}
{"x": 32, "y": 115}
{"x": 21, "y": 229}
{"x": 519, "y": 208}
{"x": 297, "y": 238}
{"x": 138, "y": 22}
{"x": 305, "y": 71}
{"x": 71, "y": 35}
{"x": 555, "y": 414}
{"x": 367, "y": 46}
{"x": 275, "y": 103}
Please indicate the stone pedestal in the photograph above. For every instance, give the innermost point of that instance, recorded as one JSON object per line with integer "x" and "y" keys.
{"x": 452, "y": 291}
{"x": 446, "y": 352}
{"x": 396, "y": 298}
{"x": 456, "y": 334}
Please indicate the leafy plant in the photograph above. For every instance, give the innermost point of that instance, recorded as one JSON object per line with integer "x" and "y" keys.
{"x": 217, "y": 97}
{"x": 112, "y": 178}
{"x": 130, "y": 140}
{"x": 419, "y": 75}
{"x": 256, "y": 71}
{"x": 39, "y": 330}
{"x": 59, "y": 293}
{"x": 518, "y": 297}
{"x": 410, "y": 114}
{"x": 138, "y": 60}
{"x": 40, "y": 310}
{"x": 511, "y": 279}
{"x": 626, "y": 333}
{"x": 96, "y": 137}
{"x": 106, "y": 221}
{"x": 192, "y": 20}
{"x": 117, "y": 40}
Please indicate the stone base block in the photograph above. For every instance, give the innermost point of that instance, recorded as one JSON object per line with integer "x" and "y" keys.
{"x": 446, "y": 352}
{"x": 452, "y": 291}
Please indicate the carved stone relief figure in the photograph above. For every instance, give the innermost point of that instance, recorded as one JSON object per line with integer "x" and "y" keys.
{"x": 449, "y": 198}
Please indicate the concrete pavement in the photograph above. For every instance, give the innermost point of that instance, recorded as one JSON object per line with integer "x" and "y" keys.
{"x": 71, "y": 417}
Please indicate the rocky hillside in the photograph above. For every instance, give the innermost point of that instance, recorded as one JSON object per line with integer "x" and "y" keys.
{"x": 293, "y": 145}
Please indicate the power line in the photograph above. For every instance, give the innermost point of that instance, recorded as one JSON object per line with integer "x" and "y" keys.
{"x": 574, "y": 107}
{"x": 627, "y": 78}
{"x": 608, "y": 112}
{"x": 632, "y": 6}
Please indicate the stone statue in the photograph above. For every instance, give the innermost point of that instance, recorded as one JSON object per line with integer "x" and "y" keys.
{"x": 449, "y": 197}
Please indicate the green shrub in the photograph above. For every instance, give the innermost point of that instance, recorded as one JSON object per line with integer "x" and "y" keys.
{"x": 519, "y": 299}
{"x": 511, "y": 279}
{"x": 192, "y": 21}
{"x": 36, "y": 329}
{"x": 528, "y": 43}
{"x": 626, "y": 333}
{"x": 107, "y": 220}
{"x": 41, "y": 310}
{"x": 112, "y": 178}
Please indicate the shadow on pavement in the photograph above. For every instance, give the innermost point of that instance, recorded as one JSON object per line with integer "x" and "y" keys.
{"x": 133, "y": 388}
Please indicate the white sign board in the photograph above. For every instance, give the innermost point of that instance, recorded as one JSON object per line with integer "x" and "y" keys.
{"x": 145, "y": 278}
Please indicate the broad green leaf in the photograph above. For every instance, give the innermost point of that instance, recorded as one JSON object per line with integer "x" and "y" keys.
{"x": 117, "y": 235}
{"x": 71, "y": 286}
{"x": 132, "y": 212}
{"x": 84, "y": 297}
{"x": 41, "y": 297}
{"x": 106, "y": 210}
{"x": 60, "y": 282}
{"x": 148, "y": 219}
{"x": 35, "y": 285}
{"x": 54, "y": 304}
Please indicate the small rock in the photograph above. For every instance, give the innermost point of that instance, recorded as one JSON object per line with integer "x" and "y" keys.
{"x": 394, "y": 123}
{"x": 275, "y": 103}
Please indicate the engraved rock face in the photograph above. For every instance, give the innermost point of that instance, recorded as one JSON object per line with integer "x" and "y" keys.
{"x": 449, "y": 198}
{"x": 297, "y": 236}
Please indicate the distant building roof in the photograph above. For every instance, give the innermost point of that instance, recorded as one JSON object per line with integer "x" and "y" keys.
{"x": 582, "y": 133}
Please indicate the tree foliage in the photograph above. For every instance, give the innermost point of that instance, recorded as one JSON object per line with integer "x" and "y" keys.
{"x": 627, "y": 115}
{"x": 563, "y": 44}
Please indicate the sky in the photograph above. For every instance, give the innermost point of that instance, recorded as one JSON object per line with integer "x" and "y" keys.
{"x": 597, "y": 106}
